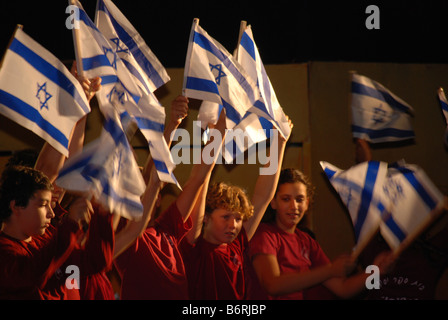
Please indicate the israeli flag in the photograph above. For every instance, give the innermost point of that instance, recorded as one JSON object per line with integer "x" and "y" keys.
{"x": 127, "y": 43}
{"x": 106, "y": 168}
{"x": 358, "y": 188}
{"x": 96, "y": 57}
{"x": 398, "y": 199}
{"x": 377, "y": 114}
{"x": 39, "y": 93}
{"x": 212, "y": 74}
{"x": 444, "y": 105}
{"x": 149, "y": 74}
{"x": 124, "y": 88}
{"x": 249, "y": 58}
{"x": 410, "y": 199}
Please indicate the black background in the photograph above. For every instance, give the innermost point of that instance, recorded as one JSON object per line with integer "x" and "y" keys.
{"x": 284, "y": 31}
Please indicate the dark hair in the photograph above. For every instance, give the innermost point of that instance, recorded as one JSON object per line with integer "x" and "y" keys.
{"x": 25, "y": 157}
{"x": 19, "y": 183}
{"x": 290, "y": 175}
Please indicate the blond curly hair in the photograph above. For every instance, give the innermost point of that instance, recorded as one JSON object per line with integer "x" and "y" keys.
{"x": 229, "y": 197}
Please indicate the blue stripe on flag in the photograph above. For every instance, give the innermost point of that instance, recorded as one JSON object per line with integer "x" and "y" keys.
{"x": 139, "y": 56}
{"x": 48, "y": 70}
{"x": 12, "y": 102}
{"x": 95, "y": 62}
{"x": 248, "y": 45}
{"x": 160, "y": 166}
{"x": 330, "y": 173}
{"x": 383, "y": 133}
{"x": 418, "y": 187}
{"x": 359, "y": 88}
{"x": 202, "y": 85}
{"x": 148, "y": 124}
{"x": 444, "y": 105}
{"x": 204, "y": 43}
{"x": 366, "y": 195}
{"x": 135, "y": 73}
{"x": 93, "y": 172}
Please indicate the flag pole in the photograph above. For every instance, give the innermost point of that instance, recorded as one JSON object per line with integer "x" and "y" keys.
{"x": 357, "y": 250}
{"x": 243, "y": 26}
{"x": 188, "y": 56}
{"x": 434, "y": 214}
{"x": 77, "y": 46}
{"x": 18, "y": 26}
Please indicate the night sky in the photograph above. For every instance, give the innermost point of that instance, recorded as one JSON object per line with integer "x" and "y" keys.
{"x": 285, "y": 31}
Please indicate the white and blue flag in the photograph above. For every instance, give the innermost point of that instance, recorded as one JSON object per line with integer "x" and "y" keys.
{"x": 148, "y": 73}
{"x": 358, "y": 188}
{"x": 106, "y": 168}
{"x": 96, "y": 57}
{"x": 412, "y": 199}
{"x": 127, "y": 43}
{"x": 125, "y": 86}
{"x": 397, "y": 199}
{"x": 444, "y": 106}
{"x": 38, "y": 92}
{"x": 378, "y": 115}
{"x": 213, "y": 74}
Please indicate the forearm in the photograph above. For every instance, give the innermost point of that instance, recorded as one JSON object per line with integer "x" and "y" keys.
{"x": 297, "y": 281}
{"x": 347, "y": 287}
{"x": 134, "y": 229}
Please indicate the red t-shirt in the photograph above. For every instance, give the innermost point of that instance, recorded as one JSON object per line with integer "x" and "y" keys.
{"x": 31, "y": 270}
{"x": 216, "y": 272}
{"x": 152, "y": 268}
{"x": 296, "y": 252}
{"x": 95, "y": 258}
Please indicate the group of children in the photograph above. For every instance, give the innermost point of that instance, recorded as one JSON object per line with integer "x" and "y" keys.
{"x": 209, "y": 244}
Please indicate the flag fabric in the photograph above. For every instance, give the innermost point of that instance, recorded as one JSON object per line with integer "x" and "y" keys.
{"x": 397, "y": 199}
{"x": 38, "y": 92}
{"x": 444, "y": 105}
{"x": 96, "y": 57}
{"x": 411, "y": 198}
{"x": 378, "y": 115}
{"x": 106, "y": 168}
{"x": 149, "y": 74}
{"x": 260, "y": 118}
{"x": 125, "y": 87}
{"x": 358, "y": 188}
{"x": 130, "y": 47}
{"x": 212, "y": 74}
{"x": 249, "y": 58}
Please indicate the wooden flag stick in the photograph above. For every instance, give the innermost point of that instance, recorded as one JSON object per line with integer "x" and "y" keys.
{"x": 435, "y": 213}
{"x": 363, "y": 244}
{"x": 243, "y": 26}
{"x": 77, "y": 46}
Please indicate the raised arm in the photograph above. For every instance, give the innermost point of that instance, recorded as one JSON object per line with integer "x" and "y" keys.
{"x": 266, "y": 184}
{"x": 198, "y": 183}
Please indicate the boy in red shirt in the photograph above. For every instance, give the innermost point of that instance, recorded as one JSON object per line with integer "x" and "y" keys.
{"x": 216, "y": 261}
{"x": 31, "y": 250}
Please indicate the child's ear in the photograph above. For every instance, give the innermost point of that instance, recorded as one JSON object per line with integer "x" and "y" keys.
{"x": 274, "y": 204}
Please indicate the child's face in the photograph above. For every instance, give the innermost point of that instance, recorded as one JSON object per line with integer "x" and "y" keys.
{"x": 35, "y": 218}
{"x": 222, "y": 226}
{"x": 290, "y": 203}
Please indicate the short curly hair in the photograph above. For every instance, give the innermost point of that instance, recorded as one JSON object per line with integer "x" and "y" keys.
{"x": 229, "y": 197}
{"x": 19, "y": 183}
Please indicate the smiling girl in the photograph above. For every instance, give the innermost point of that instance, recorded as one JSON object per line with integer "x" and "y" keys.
{"x": 289, "y": 261}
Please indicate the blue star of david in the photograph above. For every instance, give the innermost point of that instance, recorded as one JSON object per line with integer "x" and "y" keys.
{"x": 378, "y": 114}
{"x": 114, "y": 60}
{"x": 116, "y": 92}
{"x": 42, "y": 95}
{"x": 118, "y": 48}
{"x": 220, "y": 72}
